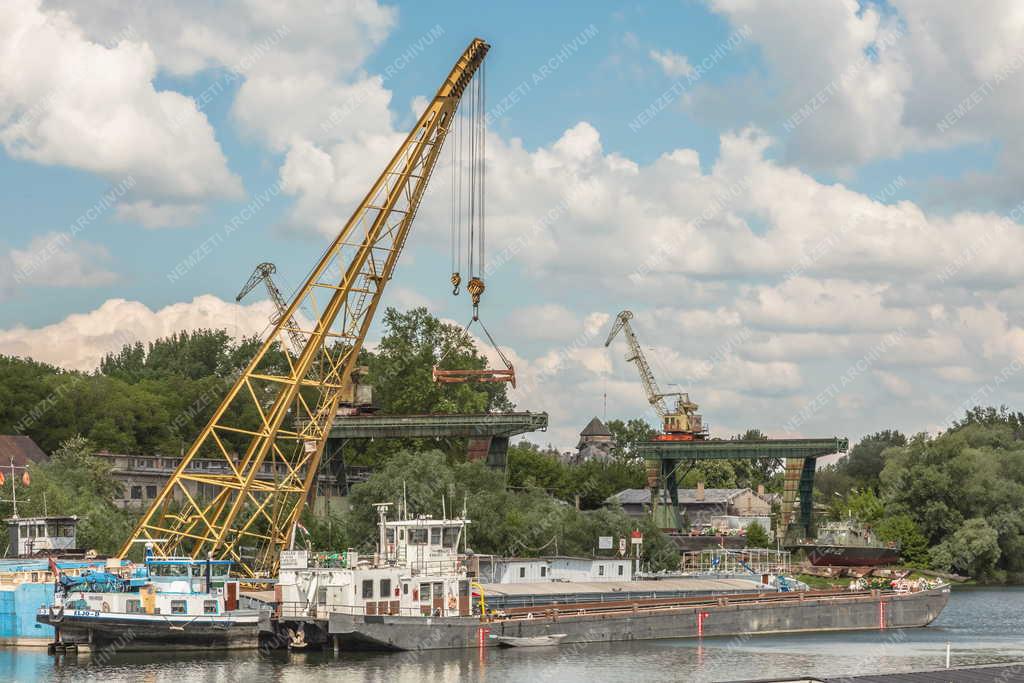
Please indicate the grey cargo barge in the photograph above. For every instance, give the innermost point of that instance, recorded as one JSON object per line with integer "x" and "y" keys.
{"x": 764, "y": 613}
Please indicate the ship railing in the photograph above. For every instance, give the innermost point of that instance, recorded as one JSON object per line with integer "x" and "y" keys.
{"x": 322, "y": 611}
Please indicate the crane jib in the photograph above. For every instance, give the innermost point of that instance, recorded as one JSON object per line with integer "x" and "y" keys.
{"x": 261, "y": 449}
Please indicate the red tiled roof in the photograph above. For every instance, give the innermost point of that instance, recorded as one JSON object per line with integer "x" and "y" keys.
{"x": 22, "y": 448}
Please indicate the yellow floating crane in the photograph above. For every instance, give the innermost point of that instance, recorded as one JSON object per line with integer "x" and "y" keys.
{"x": 276, "y": 417}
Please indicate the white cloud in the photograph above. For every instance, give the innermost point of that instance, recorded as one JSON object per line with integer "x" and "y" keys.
{"x": 873, "y": 82}
{"x": 803, "y": 303}
{"x": 674, "y": 65}
{"x": 550, "y": 321}
{"x": 67, "y": 100}
{"x": 894, "y": 384}
{"x": 151, "y": 215}
{"x": 958, "y": 373}
{"x": 79, "y": 341}
{"x": 309, "y": 52}
{"x": 56, "y": 260}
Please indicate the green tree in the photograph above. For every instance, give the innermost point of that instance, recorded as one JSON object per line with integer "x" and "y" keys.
{"x": 627, "y": 434}
{"x": 863, "y": 506}
{"x": 757, "y": 536}
{"x": 973, "y": 550}
{"x": 866, "y": 459}
{"x": 531, "y": 467}
{"x": 750, "y": 473}
{"x": 595, "y": 480}
{"x": 74, "y": 482}
{"x": 903, "y": 529}
{"x": 400, "y": 369}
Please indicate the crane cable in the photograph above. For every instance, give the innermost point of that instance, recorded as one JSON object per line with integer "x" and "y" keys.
{"x": 468, "y": 160}
{"x": 469, "y": 173}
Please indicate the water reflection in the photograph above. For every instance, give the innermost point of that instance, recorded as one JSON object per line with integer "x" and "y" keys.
{"x": 984, "y": 626}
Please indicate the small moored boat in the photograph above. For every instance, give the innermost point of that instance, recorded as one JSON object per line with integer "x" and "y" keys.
{"x": 534, "y": 641}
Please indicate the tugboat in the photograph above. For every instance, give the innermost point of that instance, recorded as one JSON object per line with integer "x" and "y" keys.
{"x": 168, "y": 603}
{"x": 26, "y": 577}
{"x": 847, "y": 544}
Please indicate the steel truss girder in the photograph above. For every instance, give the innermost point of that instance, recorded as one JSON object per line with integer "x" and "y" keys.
{"x": 239, "y": 517}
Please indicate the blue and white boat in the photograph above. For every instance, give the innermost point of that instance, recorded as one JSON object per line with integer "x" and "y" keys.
{"x": 164, "y": 604}
{"x": 26, "y": 577}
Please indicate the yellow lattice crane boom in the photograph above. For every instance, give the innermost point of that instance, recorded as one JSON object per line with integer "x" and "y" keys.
{"x": 276, "y": 417}
{"x": 682, "y": 421}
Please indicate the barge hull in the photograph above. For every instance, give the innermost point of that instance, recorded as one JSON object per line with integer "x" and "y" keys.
{"x": 133, "y": 634}
{"x": 798, "y": 614}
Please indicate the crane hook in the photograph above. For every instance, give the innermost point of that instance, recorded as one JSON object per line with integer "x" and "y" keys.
{"x": 476, "y": 288}
{"x": 456, "y": 281}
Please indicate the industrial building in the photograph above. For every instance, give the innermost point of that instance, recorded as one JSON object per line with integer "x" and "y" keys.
{"x": 699, "y": 505}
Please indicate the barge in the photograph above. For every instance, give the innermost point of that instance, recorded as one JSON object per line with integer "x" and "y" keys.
{"x": 766, "y": 613}
{"x": 418, "y": 592}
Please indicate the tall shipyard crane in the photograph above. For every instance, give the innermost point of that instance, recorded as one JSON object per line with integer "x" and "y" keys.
{"x": 682, "y": 423}
{"x": 264, "y": 273}
{"x": 278, "y": 412}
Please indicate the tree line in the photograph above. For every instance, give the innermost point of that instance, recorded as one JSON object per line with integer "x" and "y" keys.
{"x": 951, "y": 500}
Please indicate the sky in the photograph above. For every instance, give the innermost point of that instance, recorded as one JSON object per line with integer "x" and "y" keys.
{"x": 812, "y": 207}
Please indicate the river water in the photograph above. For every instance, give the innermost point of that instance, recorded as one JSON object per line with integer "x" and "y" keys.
{"x": 982, "y": 625}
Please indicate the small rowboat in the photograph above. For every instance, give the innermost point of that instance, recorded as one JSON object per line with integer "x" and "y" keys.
{"x": 535, "y": 641}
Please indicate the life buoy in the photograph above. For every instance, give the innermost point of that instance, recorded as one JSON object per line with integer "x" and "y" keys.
{"x": 396, "y": 591}
{"x": 415, "y": 594}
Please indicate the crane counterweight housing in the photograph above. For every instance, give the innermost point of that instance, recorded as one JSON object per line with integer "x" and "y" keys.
{"x": 277, "y": 415}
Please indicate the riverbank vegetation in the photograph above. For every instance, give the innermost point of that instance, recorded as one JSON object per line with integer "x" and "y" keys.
{"x": 951, "y": 500}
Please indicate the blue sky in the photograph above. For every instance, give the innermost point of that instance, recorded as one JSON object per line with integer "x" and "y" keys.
{"x": 867, "y": 219}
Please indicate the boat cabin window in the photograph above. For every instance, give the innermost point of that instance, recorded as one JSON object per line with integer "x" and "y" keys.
{"x": 321, "y": 595}
{"x": 385, "y": 588}
{"x": 41, "y": 530}
{"x": 522, "y": 572}
{"x": 600, "y": 570}
{"x": 133, "y": 606}
{"x": 405, "y": 588}
{"x": 417, "y": 536}
{"x": 368, "y": 588}
{"x": 401, "y": 534}
{"x": 169, "y": 569}
{"x": 209, "y": 606}
{"x": 435, "y": 535}
{"x": 424, "y": 592}
{"x": 451, "y": 537}
{"x": 51, "y": 530}
{"x": 543, "y": 572}
{"x": 179, "y": 607}
{"x": 391, "y": 535}
{"x": 620, "y": 570}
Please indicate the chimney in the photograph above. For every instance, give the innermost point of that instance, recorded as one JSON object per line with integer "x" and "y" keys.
{"x": 700, "y": 490}
{"x": 760, "y": 490}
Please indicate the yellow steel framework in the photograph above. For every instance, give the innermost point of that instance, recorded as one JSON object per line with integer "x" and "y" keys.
{"x": 280, "y": 409}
